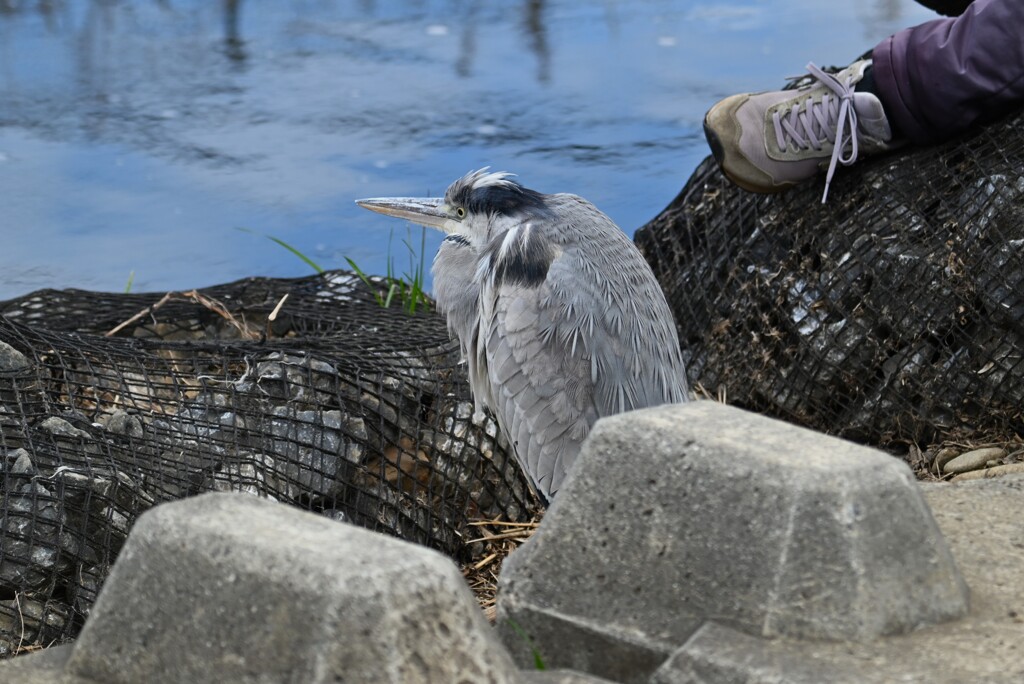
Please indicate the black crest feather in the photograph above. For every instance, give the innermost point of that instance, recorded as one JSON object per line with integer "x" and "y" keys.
{"x": 493, "y": 193}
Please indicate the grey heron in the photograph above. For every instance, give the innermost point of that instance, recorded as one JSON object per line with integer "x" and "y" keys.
{"x": 559, "y": 317}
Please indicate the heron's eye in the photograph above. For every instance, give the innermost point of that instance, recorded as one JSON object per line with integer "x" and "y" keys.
{"x": 460, "y": 212}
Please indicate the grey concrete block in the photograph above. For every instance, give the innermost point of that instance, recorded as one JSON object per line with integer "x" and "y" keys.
{"x": 720, "y": 655}
{"x": 682, "y": 514}
{"x": 44, "y": 667}
{"x": 229, "y": 588}
{"x": 570, "y": 642}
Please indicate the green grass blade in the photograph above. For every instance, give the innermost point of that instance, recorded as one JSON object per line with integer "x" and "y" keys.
{"x": 423, "y": 254}
{"x": 410, "y": 301}
{"x": 406, "y": 289}
{"x": 366, "y": 281}
{"x": 391, "y": 293}
{"x": 315, "y": 266}
{"x": 538, "y": 660}
{"x": 312, "y": 264}
{"x": 359, "y": 272}
{"x": 391, "y": 270}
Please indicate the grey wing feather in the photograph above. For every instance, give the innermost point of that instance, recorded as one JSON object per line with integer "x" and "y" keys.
{"x": 592, "y": 340}
{"x": 535, "y": 388}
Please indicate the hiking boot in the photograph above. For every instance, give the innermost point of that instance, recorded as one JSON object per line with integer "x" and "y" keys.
{"x": 767, "y": 142}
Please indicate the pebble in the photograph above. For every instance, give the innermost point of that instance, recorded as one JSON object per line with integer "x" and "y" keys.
{"x": 944, "y": 456}
{"x": 972, "y": 460}
{"x": 986, "y": 473}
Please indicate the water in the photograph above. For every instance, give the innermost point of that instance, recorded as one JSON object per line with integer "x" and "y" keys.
{"x": 136, "y": 136}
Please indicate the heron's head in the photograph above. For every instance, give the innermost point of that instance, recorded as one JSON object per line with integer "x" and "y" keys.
{"x": 475, "y": 207}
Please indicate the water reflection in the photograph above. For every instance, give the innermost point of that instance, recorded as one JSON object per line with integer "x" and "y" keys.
{"x": 233, "y": 44}
{"x": 467, "y": 38}
{"x": 116, "y": 20}
{"x": 11, "y": 7}
{"x": 537, "y": 37}
{"x": 137, "y": 134}
{"x": 533, "y": 27}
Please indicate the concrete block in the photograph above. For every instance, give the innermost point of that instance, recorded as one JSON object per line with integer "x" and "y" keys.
{"x": 720, "y": 655}
{"x": 43, "y": 667}
{"x": 230, "y": 588}
{"x": 981, "y": 522}
{"x": 678, "y": 515}
{"x": 567, "y": 641}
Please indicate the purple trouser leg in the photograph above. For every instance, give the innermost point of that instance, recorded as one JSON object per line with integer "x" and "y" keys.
{"x": 938, "y": 78}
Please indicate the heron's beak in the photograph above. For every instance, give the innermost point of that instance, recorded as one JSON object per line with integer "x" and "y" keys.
{"x": 424, "y": 211}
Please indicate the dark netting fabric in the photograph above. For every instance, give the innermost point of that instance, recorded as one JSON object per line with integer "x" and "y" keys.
{"x": 335, "y": 405}
{"x": 893, "y": 314}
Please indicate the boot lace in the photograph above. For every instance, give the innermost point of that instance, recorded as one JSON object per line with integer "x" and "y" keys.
{"x": 809, "y": 124}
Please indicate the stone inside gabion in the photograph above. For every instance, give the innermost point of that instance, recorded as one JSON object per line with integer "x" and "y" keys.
{"x": 336, "y": 405}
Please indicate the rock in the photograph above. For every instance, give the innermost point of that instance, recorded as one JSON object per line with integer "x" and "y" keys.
{"x": 210, "y": 422}
{"x": 972, "y": 460}
{"x": 12, "y": 360}
{"x": 8, "y": 417}
{"x": 122, "y": 423}
{"x": 336, "y": 515}
{"x": 58, "y": 427}
{"x": 253, "y": 474}
{"x": 995, "y": 471}
{"x": 22, "y": 463}
{"x": 26, "y": 621}
{"x": 769, "y": 529}
{"x": 315, "y": 449}
{"x": 37, "y": 545}
{"x": 297, "y": 378}
{"x": 944, "y": 456}
{"x": 226, "y": 588}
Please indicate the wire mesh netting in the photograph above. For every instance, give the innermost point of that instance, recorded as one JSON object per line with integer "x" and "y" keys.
{"x": 893, "y": 314}
{"x": 334, "y": 404}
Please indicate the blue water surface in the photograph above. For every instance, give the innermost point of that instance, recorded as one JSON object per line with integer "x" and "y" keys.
{"x": 137, "y": 136}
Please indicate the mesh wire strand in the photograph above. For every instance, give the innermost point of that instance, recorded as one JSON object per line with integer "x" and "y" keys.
{"x": 892, "y": 315}
{"x": 338, "y": 406}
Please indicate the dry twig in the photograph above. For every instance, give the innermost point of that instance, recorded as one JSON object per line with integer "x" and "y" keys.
{"x": 499, "y": 539}
{"x": 195, "y": 297}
